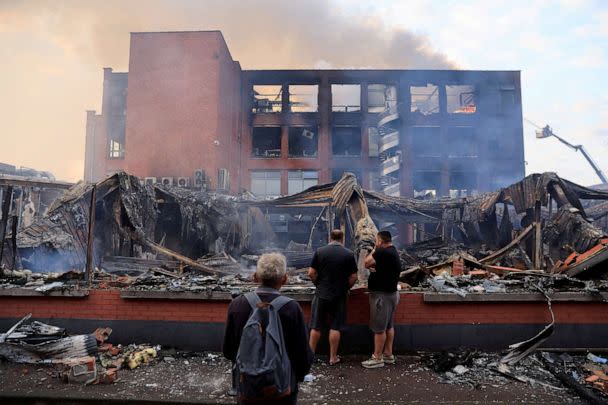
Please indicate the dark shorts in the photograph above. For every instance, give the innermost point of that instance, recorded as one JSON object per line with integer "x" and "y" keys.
{"x": 330, "y": 313}
{"x": 381, "y": 309}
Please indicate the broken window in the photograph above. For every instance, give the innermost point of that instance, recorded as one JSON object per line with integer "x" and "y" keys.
{"x": 425, "y": 100}
{"x": 461, "y": 99}
{"x": 266, "y": 142}
{"x": 303, "y": 141}
{"x": 461, "y": 142}
{"x": 346, "y": 141}
{"x": 463, "y": 184}
{"x": 381, "y": 97}
{"x": 300, "y": 180}
{"x": 426, "y": 141}
{"x": 117, "y": 149}
{"x": 303, "y": 98}
{"x": 346, "y": 97}
{"x": 337, "y": 172}
{"x": 266, "y": 183}
{"x": 506, "y": 100}
{"x": 426, "y": 183}
{"x": 266, "y": 99}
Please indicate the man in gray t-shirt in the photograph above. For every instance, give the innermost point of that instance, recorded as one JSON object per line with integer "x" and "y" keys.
{"x": 333, "y": 271}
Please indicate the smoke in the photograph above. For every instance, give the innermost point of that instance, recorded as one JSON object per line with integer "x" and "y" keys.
{"x": 53, "y": 52}
{"x": 261, "y": 34}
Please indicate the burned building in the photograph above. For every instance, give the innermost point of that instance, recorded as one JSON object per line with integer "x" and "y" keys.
{"x": 186, "y": 114}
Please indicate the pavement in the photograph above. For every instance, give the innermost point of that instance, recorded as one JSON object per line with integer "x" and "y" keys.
{"x": 204, "y": 378}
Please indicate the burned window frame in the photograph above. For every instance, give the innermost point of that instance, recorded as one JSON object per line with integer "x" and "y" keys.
{"x": 313, "y": 96}
{"x": 359, "y": 137}
{"x": 451, "y": 92}
{"x": 434, "y": 95}
{"x": 277, "y": 151}
{"x": 390, "y": 101}
{"x": 292, "y": 132}
{"x": 435, "y": 152}
{"x": 272, "y": 106}
{"x": 336, "y": 89}
{"x": 423, "y": 191}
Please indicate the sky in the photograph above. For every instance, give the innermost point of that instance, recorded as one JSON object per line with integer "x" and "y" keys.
{"x": 53, "y": 52}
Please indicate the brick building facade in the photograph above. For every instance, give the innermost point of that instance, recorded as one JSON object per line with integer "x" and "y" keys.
{"x": 186, "y": 113}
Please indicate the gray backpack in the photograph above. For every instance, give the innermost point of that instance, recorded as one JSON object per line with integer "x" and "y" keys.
{"x": 263, "y": 366}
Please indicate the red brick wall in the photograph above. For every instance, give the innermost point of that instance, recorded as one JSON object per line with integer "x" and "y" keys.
{"x": 175, "y": 104}
{"x": 107, "y": 304}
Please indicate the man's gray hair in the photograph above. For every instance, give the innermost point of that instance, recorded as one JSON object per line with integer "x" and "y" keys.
{"x": 271, "y": 267}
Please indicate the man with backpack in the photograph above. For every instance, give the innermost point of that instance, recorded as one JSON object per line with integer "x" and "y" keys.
{"x": 267, "y": 338}
{"x": 333, "y": 271}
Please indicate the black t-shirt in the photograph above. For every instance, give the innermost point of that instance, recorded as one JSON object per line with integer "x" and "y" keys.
{"x": 388, "y": 268}
{"x": 334, "y": 264}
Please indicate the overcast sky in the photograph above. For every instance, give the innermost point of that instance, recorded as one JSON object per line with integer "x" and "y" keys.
{"x": 53, "y": 52}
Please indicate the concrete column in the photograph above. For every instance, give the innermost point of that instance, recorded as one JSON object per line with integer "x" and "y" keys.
{"x": 324, "y": 128}
{"x": 444, "y": 188}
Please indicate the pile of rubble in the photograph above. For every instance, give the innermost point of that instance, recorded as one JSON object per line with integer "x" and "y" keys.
{"x": 584, "y": 374}
{"x": 84, "y": 359}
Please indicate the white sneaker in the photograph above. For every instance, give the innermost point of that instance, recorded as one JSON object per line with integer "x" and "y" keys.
{"x": 373, "y": 363}
{"x": 389, "y": 359}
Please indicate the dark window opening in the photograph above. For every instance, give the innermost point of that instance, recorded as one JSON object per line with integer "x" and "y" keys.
{"x": 462, "y": 184}
{"x": 426, "y": 141}
{"x": 461, "y": 99}
{"x": 425, "y": 100}
{"x": 426, "y": 183}
{"x": 346, "y": 97}
{"x": 461, "y": 142}
{"x": 346, "y": 141}
{"x": 266, "y": 142}
{"x": 303, "y": 141}
{"x": 267, "y": 99}
{"x": 336, "y": 174}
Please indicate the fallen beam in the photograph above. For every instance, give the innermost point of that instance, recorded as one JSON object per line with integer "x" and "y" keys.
{"x": 186, "y": 260}
{"x": 500, "y": 253}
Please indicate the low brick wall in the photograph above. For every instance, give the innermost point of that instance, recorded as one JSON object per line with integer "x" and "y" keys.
{"x": 422, "y": 321}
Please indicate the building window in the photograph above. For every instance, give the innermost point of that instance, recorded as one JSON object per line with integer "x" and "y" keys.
{"x": 266, "y": 183}
{"x": 381, "y": 97}
{"x": 461, "y": 99}
{"x": 424, "y": 100}
{"x": 337, "y": 172}
{"x": 303, "y": 142}
{"x": 426, "y": 141}
{"x": 346, "y": 97}
{"x": 506, "y": 100}
{"x": 426, "y": 183}
{"x": 463, "y": 184}
{"x": 300, "y": 180}
{"x": 303, "y": 98}
{"x": 266, "y": 142}
{"x": 461, "y": 142}
{"x": 346, "y": 141}
{"x": 267, "y": 99}
{"x": 117, "y": 149}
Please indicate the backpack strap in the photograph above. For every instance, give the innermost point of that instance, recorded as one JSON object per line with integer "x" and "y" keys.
{"x": 279, "y": 302}
{"x": 253, "y": 299}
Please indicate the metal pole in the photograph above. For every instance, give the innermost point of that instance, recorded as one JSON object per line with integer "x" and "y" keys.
{"x": 90, "y": 238}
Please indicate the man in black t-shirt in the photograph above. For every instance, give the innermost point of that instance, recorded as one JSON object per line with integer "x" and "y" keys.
{"x": 334, "y": 272}
{"x": 385, "y": 266}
